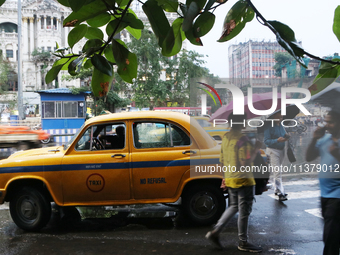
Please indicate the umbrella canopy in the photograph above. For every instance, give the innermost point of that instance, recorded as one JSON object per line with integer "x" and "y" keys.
{"x": 262, "y": 101}
{"x": 329, "y": 96}
{"x": 291, "y": 112}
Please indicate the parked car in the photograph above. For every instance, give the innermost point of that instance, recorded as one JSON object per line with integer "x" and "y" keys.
{"x": 216, "y": 132}
{"x": 155, "y": 162}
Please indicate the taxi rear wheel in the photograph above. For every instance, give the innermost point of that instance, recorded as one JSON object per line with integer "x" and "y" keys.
{"x": 204, "y": 204}
{"x": 30, "y": 209}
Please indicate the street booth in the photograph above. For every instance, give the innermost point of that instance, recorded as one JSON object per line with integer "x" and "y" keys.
{"x": 62, "y": 113}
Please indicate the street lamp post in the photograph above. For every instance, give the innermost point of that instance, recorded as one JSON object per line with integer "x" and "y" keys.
{"x": 20, "y": 96}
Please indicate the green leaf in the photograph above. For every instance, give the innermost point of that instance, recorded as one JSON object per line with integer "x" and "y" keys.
{"x": 57, "y": 45}
{"x": 209, "y": 4}
{"x": 336, "y": 23}
{"x": 168, "y": 5}
{"x": 173, "y": 42}
{"x": 323, "y": 80}
{"x": 204, "y": 24}
{"x": 126, "y": 61}
{"x": 288, "y": 35}
{"x": 109, "y": 54}
{"x": 121, "y": 3}
{"x": 76, "y": 4}
{"x": 100, "y": 20}
{"x": 76, "y": 34}
{"x": 88, "y": 64}
{"x": 184, "y": 9}
{"x": 136, "y": 33}
{"x": 64, "y": 2}
{"x": 87, "y": 12}
{"x": 100, "y": 83}
{"x": 236, "y": 19}
{"x": 52, "y": 73}
{"x": 325, "y": 66}
{"x": 288, "y": 48}
{"x": 91, "y": 46}
{"x": 65, "y": 66}
{"x": 285, "y": 31}
{"x": 110, "y": 28}
{"x": 75, "y": 65}
{"x": 94, "y": 33}
{"x": 200, "y": 3}
{"x": 101, "y": 63}
{"x": 132, "y": 21}
{"x": 191, "y": 37}
{"x": 158, "y": 21}
{"x": 192, "y": 12}
{"x": 297, "y": 49}
{"x": 61, "y": 61}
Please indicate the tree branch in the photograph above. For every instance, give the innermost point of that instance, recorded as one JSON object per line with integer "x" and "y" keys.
{"x": 265, "y": 23}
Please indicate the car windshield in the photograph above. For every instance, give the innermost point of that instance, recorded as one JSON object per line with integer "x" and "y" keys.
{"x": 74, "y": 137}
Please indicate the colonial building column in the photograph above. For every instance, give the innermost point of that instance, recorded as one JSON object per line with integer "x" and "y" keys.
{"x": 31, "y": 34}
{"x": 24, "y": 37}
{"x": 45, "y": 22}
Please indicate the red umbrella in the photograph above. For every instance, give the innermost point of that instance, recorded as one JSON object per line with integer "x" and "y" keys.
{"x": 262, "y": 101}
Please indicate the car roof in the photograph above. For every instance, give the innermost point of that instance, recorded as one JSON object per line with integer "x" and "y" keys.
{"x": 166, "y": 115}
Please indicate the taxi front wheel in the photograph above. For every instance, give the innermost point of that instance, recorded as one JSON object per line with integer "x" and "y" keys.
{"x": 203, "y": 204}
{"x": 30, "y": 209}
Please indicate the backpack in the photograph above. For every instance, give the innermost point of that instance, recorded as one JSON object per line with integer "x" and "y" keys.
{"x": 261, "y": 177}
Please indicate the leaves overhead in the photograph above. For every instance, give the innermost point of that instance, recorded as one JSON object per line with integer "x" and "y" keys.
{"x": 236, "y": 19}
{"x": 171, "y": 22}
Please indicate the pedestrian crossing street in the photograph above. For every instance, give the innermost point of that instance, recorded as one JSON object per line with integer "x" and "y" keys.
{"x": 301, "y": 190}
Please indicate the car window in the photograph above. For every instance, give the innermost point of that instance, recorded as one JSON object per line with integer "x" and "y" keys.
{"x": 204, "y": 123}
{"x": 179, "y": 137}
{"x": 158, "y": 135}
{"x": 103, "y": 137}
{"x": 84, "y": 143}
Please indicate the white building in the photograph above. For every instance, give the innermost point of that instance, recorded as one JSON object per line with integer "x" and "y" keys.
{"x": 41, "y": 29}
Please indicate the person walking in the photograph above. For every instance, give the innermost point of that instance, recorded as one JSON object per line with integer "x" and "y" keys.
{"x": 275, "y": 137}
{"x": 327, "y": 146}
{"x": 237, "y": 150}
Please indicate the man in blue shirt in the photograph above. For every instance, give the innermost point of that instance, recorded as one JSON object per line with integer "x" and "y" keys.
{"x": 275, "y": 137}
{"x": 327, "y": 147}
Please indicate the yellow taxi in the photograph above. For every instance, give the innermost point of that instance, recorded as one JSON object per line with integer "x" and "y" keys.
{"x": 118, "y": 159}
{"x": 216, "y": 132}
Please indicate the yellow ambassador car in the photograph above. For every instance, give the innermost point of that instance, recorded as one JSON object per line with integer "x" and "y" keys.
{"x": 215, "y": 132}
{"x": 117, "y": 159}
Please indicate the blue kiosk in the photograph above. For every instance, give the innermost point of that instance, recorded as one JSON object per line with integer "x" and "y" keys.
{"x": 62, "y": 113}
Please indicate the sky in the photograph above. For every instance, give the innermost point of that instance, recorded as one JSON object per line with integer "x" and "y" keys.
{"x": 311, "y": 20}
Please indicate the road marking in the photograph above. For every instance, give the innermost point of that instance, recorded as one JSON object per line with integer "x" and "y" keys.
{"x": 4, "y": 207}
{"x": 307, "y": 182}
{"x": 300, "y": 195}
{"x": 283, "y": 251}
{"x": 316, "y": 212}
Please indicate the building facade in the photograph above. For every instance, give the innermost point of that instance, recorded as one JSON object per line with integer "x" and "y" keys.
{"x": 41, "y": 30}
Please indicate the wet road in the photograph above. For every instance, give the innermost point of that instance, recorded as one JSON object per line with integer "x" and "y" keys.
{"x": 292, "y": 227}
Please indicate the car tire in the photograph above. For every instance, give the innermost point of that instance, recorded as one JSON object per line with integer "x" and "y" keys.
{"x": 204, "y": 204}
{"x": 30, "y": 209}
{"x": 46, "y": 140}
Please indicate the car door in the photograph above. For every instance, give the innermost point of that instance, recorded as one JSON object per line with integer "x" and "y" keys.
{"x": 160, "y": 155}
{"x": 94, "y": 171}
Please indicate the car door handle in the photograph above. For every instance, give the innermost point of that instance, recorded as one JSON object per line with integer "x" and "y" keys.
{"x": 118, "y": 156}
{"x": 190, "y": 152}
